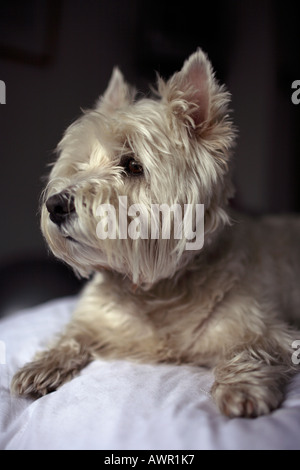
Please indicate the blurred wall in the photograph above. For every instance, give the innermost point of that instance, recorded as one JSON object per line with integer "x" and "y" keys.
{"x": 43, "y": 98}
{"x": 57, "y": 56}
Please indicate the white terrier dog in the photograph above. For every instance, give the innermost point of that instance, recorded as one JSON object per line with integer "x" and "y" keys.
{"x": 225, "y": 305}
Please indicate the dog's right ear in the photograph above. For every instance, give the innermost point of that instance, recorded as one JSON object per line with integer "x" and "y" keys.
{"x": 117, "y": 94}
{"x": 189, "y": 92}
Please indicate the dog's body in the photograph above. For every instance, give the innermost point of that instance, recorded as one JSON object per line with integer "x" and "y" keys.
{"x": 225, "y": 306}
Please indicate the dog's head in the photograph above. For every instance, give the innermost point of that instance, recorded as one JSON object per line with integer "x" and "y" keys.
{"x": 123, "y": 159}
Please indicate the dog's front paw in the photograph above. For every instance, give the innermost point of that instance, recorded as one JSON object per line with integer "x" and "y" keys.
{"x": 36, "y": 379}
{"x": 245, "y": 400}
{"x": 51, "y": 370}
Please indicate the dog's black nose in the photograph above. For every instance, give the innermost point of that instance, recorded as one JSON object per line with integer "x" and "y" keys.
{"x": 60, "y": 206}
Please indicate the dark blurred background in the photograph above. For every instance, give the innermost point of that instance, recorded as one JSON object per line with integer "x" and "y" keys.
{"x": 56, "y": 56}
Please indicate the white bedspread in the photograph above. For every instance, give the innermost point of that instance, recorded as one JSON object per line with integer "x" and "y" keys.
{"x": 121, "y": 405}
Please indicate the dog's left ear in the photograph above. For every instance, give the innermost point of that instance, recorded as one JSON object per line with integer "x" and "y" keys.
{"x": 117, "y": 94}
{"x": 189, "y": 91}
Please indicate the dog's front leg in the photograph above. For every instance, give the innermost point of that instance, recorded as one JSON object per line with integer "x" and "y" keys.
{"x": 55, "y": 366}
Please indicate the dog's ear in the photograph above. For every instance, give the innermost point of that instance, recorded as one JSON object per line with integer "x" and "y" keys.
{"x": 117, "y": 94}
{"x": 189, "y": 91}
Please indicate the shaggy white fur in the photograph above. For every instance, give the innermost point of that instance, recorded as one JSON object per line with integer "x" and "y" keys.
{"x": 225, "y": 306}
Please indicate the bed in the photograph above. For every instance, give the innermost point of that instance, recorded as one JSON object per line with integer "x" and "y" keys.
{"x": 120, "y": 405}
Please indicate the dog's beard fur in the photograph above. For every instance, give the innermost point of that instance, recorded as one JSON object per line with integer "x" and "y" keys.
{"x": 157, "y": 301}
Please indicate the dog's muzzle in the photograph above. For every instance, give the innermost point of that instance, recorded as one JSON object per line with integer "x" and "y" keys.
{"x": 60, "y": 207}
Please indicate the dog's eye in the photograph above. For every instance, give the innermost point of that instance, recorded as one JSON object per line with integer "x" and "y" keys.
{"x": 132, "y": 167}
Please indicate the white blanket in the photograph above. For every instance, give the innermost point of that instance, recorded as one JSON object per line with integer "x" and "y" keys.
{"x": 121, "y": 405}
